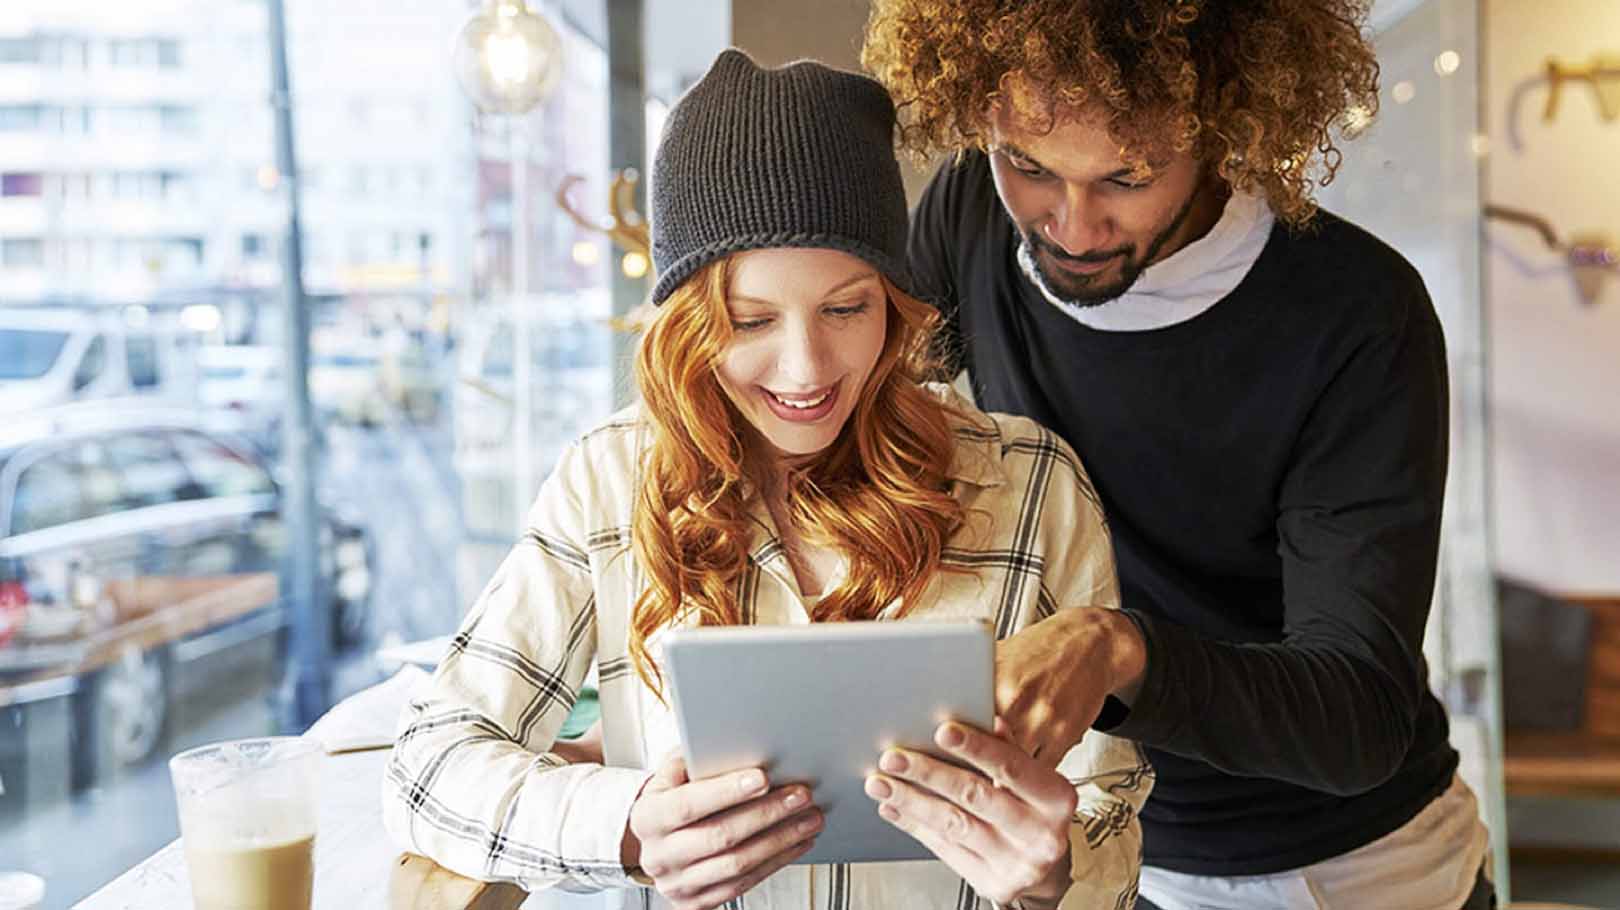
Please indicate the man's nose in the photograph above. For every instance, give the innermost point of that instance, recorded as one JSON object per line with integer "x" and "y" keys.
{"x": 1077, "y": 225}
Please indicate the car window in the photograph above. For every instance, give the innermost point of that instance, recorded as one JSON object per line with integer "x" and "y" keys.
{"x": 101, "y": 482}
{"x": 29, "y": 353}
{"x": 218, "y": 469}
{"x": 141, "y": 351}
{"x": 150, "y": 470}
{"x": 95, "y": 357}
{"x": 48, "y": 494}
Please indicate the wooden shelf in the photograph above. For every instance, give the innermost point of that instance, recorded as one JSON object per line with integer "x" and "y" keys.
{"x": 1561, "y": 764}
{"x": 1585, "y": 762}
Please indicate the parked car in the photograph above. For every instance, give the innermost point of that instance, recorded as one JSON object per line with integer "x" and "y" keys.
{"x": 133, "y": 542}
{"x": 243, "y": 387}
{"x": 51, "y": 355}
{"x": 410, "y": 382}
{"x": 345, "y": 383}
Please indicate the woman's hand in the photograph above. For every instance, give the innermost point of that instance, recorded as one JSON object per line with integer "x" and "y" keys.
{"x": 1002, "y": 824}
{"x": 705, "y": 842}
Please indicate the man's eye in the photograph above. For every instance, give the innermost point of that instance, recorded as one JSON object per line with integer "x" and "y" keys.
{"x": 1122, "y": 183}
{"x": 1021, "y": 165}
{"x": 1026, "y": 168}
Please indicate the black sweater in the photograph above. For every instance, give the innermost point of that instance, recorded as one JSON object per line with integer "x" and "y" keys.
{"x": 1272, "y": 471}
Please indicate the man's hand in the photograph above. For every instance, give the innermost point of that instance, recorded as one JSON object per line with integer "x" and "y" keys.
{"x": 705, "y": 842}
{"x": 1002, "y": 825}
{"x": 1052, "y": 677}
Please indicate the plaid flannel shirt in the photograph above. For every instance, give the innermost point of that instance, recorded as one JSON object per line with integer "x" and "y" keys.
{"x": 473, "y": 785}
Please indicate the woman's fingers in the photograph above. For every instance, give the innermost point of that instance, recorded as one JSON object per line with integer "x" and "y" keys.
{"x": 969, "y": 789}
{"x": 739, "y": 863}
{"x": 725, "y": 891}
{"x": 725, "y": 833}
{"x": 661, "y": 812}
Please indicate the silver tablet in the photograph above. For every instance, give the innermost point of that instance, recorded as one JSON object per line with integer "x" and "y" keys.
{"x": 819, "y": 703}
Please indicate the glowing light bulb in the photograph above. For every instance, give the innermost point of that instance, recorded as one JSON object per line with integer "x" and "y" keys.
{"x": 586, "y": 253}
{"x": 507, "y": 58}
{"x": 634, "y": 265}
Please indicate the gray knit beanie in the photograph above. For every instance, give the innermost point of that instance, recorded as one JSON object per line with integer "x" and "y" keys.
{"x": 801, "y": 156}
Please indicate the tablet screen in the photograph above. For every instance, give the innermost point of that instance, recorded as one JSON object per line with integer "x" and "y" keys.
{"x": 818, "y": 704}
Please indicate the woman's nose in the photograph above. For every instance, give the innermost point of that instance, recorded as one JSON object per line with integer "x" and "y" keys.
{"x": 803, "y": 357}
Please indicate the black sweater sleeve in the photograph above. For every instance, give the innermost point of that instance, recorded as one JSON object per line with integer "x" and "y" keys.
{"x": 1333, "y": 705}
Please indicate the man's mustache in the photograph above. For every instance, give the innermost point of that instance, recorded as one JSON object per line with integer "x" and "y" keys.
{"x": 1056, "y": 252}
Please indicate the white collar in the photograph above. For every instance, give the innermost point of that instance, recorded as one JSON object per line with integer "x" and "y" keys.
{"x": 1183, "y": 285}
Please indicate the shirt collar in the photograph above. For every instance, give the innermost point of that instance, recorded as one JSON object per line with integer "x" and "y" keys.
{"x": 1185, "y": 283}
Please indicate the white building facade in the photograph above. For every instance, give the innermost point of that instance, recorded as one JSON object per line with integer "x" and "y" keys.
{"x": 137, "y": 148}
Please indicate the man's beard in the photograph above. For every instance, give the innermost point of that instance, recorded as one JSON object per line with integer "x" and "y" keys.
{"x": 1089, "y": 290}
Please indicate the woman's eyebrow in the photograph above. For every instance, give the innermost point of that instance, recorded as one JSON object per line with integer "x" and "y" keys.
{"x": 842, "y": 285}
{"x": 857, "y": 279}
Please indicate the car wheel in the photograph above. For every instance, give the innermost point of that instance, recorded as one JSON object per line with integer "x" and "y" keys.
{"x": 349, "y": 583}
{"x": 350, "y": 620}
{"x": 125, "y": 710}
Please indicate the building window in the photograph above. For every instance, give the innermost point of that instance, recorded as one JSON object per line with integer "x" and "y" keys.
{"x": 20, "y": 50}
{"x": 68, "y": 52}
{"x": 255, "y": 246}
{"x": 19, "y": 117}
{"x": 123, "y": 52}
{"x": 168, "y": 53}
{"x": 22, "y": 252}
{"x": 180, "y": 121}
{"x": 186, "y": 252}
{"x": 135, "y": 119}
{"x": 72, "y": 121}
{"x": 22, "y": 184}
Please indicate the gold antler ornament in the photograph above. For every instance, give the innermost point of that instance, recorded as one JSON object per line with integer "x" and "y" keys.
{"x": 1603, "y": 74}
{"x": 626, "y": 227}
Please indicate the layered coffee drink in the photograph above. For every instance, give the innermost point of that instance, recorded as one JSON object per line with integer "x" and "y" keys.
{"x": 268, "y": 875}
{"x": 247, "y": 822}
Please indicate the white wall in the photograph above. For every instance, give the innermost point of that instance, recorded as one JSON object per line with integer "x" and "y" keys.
{"x": 1554, "y": 361}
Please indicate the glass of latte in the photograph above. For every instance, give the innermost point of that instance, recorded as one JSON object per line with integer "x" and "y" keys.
{"x": 247, "y": 822}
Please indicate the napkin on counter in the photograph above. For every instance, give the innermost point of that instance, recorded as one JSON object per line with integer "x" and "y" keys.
{"x": 367, "y": 719}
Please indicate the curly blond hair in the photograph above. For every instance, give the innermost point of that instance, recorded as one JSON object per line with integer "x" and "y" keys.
{"x": 1254, "y": 88}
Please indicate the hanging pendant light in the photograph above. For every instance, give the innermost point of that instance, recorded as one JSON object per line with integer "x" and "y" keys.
{"x": 507, "y": 58}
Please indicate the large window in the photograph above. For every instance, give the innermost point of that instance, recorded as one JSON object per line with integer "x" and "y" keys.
{"x": 144, "y": 357}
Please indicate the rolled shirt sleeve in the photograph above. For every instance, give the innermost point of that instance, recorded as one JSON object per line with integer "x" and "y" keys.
{"x": 472, "y": 783}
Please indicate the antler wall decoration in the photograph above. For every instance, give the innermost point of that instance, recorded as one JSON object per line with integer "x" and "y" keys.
{"x": 1603, "y": 74}
{"x": 625, "y": 227}
{"x": 1592, "y": 255}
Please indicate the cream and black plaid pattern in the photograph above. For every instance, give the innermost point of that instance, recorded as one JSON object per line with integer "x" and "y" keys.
{"x": 473, "y": 784}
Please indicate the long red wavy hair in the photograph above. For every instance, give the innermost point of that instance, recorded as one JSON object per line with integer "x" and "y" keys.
{"x": 877, "y": 494}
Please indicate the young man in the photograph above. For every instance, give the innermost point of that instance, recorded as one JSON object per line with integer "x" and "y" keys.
{"x": 1126, "y": 249}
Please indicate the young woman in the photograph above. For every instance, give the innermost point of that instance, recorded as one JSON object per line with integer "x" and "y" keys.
{"x": 786, "y": 465}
